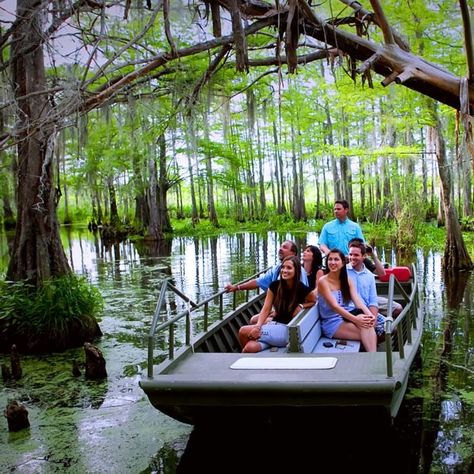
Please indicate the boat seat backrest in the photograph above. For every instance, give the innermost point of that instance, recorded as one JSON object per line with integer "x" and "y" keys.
{"x": 305, "y": 335}
{"x": 304, "y": 331}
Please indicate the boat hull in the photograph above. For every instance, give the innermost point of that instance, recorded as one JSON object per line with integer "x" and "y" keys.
{"x": 200, "y": 381}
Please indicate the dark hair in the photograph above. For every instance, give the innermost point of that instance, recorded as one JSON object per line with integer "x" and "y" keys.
{"x": 285, "y": 298}
{"x": 355, "y": 240}
{"x": 317, "y": 262}
{"x": 358, "y": 245}
{"x": 343, "y": 203}
{"x": 343, "y": 278}
{"x": 294, "y": 247}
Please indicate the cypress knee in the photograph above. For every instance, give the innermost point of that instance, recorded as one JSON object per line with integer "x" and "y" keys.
{"x": 95, "y": 362}
{"x": 15, "y": 363}
{"x": 17, "y": 416}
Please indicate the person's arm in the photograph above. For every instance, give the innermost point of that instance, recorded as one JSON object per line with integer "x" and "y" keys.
{"x": 325, "y": 292}
{"x": 255, "y": 332}
{"x": 310, "y": 300}
{"x": 379, "y": 269}
{"x": 322, "y": 240}
{"x": 267, "y": 307}
{"x": 246, "y": 285}
{"x": 324, "y": 248}
{"x": 357, "y": 300}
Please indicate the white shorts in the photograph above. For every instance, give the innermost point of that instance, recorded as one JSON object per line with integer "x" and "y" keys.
{"x": 273, "y": 334}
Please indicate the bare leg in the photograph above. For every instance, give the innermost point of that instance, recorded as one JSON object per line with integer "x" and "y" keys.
{"x": 244, "y": 333}
{"x": 252, "y": 346}
{"x": 367, "y": 336}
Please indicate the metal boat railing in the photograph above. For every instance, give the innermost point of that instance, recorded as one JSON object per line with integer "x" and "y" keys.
{"x": 192, "y": 307}
{"x": 400, "y": 328}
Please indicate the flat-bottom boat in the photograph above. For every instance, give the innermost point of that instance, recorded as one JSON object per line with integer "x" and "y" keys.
{"x": 209, "y": 376}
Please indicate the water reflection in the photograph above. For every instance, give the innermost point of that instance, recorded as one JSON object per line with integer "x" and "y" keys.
{"x": 336, "y": 440}
{"x": 431, "y": 434}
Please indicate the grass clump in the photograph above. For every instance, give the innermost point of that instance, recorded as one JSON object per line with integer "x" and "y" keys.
{"x": 61, "y": 313}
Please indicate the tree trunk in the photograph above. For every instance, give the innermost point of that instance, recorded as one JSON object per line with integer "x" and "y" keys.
{"x": 190, "y": 152}
{"x": 211, "y": 207}
{"x": 164, "y": 221}
{"x": 261, "y": 176}
{"x": 154, "y": 231}
{"x": 114, "y": 217}
{"x": 141, "y": 221}
{"x": 37, "y": 252}
{"x": 455, "y": 252}
{"x": 278, "y": 172}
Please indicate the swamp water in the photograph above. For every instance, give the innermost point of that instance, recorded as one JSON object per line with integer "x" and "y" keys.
{"x": 80, "y": 426}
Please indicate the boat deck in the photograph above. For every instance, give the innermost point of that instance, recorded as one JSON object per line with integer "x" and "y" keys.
{"x": 354, "y": 367}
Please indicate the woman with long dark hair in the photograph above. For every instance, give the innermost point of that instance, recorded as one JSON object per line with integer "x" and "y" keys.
{"x": 288, "y": 296}
{"x": 312, "y": 261}
{"x": 343, "y": 314}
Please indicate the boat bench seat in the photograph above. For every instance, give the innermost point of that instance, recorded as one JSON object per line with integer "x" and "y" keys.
{"x": 305, "y": 335}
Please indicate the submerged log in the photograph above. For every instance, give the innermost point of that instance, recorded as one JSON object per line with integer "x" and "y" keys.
{"x": 15, "y": 363}
{"x": 17, "y": 416}
{"x": 95, "y": 362}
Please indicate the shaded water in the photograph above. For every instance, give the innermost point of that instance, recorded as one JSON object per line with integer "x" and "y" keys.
{"x": 102, "y": 427}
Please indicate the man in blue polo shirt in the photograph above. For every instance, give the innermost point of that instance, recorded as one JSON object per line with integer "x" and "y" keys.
{"x": 337, "y": 233}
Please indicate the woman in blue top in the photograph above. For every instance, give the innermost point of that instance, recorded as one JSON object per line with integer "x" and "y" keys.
{"x": 288, "y": 296}
{"x": 343, "y": 314}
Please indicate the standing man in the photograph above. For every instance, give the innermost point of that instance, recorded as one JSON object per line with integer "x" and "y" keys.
{"x": 337, "y": 233}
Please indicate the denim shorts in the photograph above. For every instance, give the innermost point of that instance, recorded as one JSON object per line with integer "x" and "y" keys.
{"x": 273, "y": 334}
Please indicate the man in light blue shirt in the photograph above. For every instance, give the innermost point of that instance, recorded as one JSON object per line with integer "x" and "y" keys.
{"x": 365, "y": 282}
{"x": 337, "y": 233}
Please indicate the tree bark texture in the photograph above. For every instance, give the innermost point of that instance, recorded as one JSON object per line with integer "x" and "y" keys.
{"x": 37, "y": 252}
{"x": 455, "y": 251}
{"x": 164, "y": 221}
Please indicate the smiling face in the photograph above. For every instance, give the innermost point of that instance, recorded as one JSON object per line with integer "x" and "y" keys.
{"x": 356, "y": 257}
{"x": 287, "y": 271}
{"x": 335, "y": 261}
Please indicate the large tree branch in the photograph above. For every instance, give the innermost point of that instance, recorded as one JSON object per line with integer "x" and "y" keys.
{"x": 392, "y": 62}
{"x": 466, "y": 20}
{"x": 382, "y": 22}
{"x": 108, "y": 90}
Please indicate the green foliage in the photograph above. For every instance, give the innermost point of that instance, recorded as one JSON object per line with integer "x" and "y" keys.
{"x": 53, "y": 309}
{"x": 467, "y": 397}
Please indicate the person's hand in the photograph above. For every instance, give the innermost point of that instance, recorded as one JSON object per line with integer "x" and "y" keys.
{"x": 230, "y": 288}
{"x": 254, "y": 333}
{"x": 364, "y": 321}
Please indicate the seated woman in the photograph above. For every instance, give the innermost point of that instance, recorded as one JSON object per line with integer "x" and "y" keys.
{"x": 288, "y": 296}
{"x": 343, "y": 314}
{"x": 312, "y": 261}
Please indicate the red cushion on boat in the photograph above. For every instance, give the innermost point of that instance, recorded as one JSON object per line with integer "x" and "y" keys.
{"x": 400, "y": 273}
